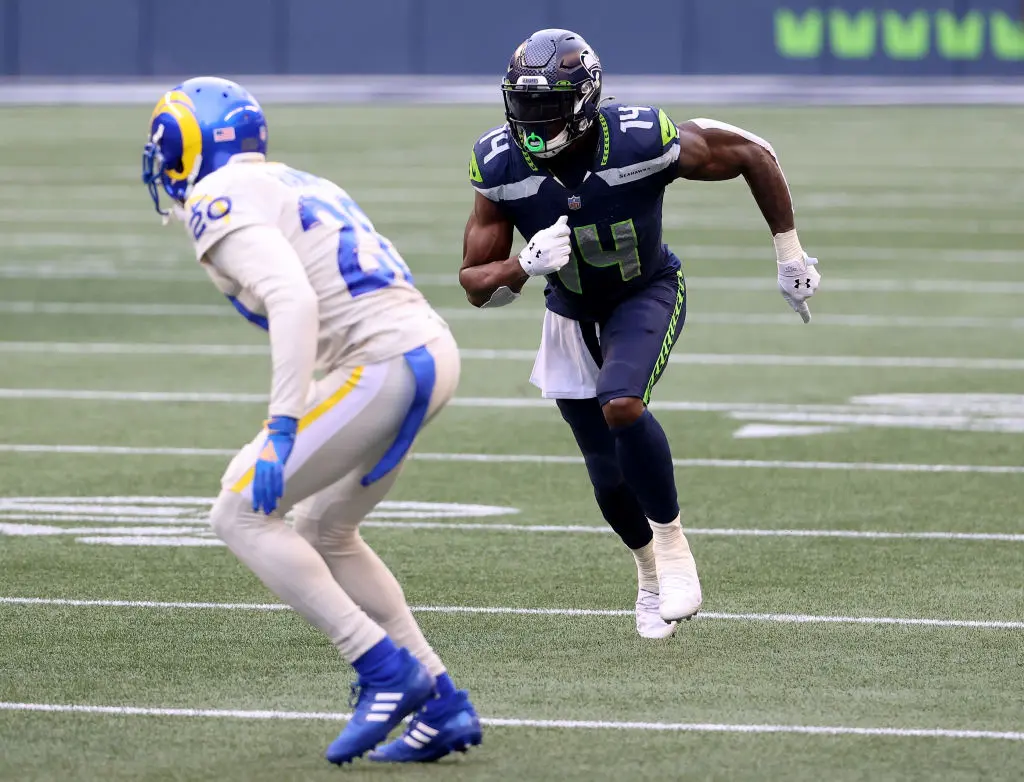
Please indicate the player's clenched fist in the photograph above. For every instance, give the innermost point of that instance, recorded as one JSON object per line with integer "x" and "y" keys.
{"x": 548, "y": 250}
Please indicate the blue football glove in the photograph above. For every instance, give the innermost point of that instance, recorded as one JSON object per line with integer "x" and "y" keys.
{"x": 268, "y": 481}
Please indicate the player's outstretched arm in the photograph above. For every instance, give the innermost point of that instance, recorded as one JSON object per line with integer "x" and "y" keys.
{"x": 712, "y": 151}
{"x": 489, "y": 275}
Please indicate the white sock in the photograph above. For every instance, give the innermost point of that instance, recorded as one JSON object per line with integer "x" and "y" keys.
{"x": 367, "y": 580}
{"x": 669, "y": 540}
{"x": 646, "y": 570}
{"x": 294, "y": 571}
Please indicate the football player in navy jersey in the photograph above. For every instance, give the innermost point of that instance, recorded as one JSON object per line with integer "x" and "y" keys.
{"x": 585, "y": 182}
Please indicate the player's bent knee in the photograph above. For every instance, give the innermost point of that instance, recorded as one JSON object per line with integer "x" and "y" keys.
{"x": 623, "y": 411}
{"x": 224, "y": 515}
{"x": 334, "y": 539}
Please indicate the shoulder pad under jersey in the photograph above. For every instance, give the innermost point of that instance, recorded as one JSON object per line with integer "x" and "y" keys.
{"x": 499, "y": 170}
{"x": 637, "y": 142}
{"x": 230, "y": 198}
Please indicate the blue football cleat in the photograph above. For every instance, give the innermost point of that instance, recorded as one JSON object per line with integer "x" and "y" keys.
{"x": 443, "y": 726}
{"x": 380, "y": 706}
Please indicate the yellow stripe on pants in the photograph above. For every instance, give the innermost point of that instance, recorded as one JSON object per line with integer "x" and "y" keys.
{"x": 308, "y": 419}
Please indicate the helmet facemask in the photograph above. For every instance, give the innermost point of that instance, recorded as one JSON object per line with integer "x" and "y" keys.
{"x": 543, "y": 118}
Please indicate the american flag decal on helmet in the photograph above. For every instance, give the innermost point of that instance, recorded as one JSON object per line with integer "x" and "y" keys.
{"x": 223, "y": 134}
{"x": 575, "y": 202}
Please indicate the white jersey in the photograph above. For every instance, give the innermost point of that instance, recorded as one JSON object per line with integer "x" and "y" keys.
{"x": 367, "y": 308}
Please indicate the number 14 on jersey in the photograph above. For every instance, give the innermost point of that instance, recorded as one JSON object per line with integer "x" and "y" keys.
{"x": 591, "y": 252}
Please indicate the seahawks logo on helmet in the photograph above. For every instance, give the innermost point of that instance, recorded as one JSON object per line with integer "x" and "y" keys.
{"x": 552, "y": 90}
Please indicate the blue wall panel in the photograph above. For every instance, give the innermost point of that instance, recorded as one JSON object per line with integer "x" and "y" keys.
{"x": 8, "y": 38}
{"x": 1003, "y": 41}
{"x": 471, "y": 37}
{"x": 325, "y": 38}
{"x": 647, "y": 39}
{"x": 221, "y": 37}
{"x": 730, "y": 35}
{"x": 98, "y": 38}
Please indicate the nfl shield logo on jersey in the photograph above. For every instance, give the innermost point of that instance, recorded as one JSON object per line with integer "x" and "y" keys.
{"x": 575, "y": 202}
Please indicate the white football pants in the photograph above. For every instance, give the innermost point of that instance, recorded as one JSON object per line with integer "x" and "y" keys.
{"x": 321, "y": 566}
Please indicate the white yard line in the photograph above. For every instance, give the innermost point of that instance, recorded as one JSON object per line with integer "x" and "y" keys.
{"x": 107, "y": 309}
{"x": 113, "y": 450}
{"x": 131, "y": 396}
{"x": 35, "y": 308}
{"x": 790, "y": 360}
{"x": 764, "y": 319}
{"x": 75, "y": 271}
{"x": 513, "y": 611}
{"x": 484, "y": 458}
{"x": 484, "y": 354}
{"x": 175, "y": 272}
{"x": 835, "y": 284}
{"x": 980, "y": 405}
{"x": 711, "y": 531}
{"x": 133, "y": 349}
{"x": 515, "y": 722}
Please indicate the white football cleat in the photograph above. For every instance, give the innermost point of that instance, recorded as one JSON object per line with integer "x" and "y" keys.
{"x": 649, "y": 623}
{"x": 677, "y": 573}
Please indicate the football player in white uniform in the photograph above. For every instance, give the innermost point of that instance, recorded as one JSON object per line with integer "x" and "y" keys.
{"x": 297, "y": 257}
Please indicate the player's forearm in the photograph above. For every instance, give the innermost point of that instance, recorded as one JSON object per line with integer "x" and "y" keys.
{"x": 294, "y": 325}
{"x": 262, "y": 261}
{"x": 768, "y": 185}
{"x": 480, "y": 282}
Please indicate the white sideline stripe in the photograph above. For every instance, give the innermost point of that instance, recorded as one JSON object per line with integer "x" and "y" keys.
{"x": 524, "y": 314}
{"x": 502, "y": 722}
{"x": 505, "y": 610}
{"x": 704, "y": 359}
{"x": 488, "y": 458}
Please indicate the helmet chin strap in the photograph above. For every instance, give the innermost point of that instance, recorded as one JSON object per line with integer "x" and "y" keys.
{"x": 555, "y": 145}
{"x": 560, "y": 142}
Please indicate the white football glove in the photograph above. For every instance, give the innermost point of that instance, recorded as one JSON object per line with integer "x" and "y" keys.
{"x": 548, "y": 250}
{"x": 798, "y": 280}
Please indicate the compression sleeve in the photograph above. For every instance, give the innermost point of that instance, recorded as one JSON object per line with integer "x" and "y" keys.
{"x": 262, "y": 260}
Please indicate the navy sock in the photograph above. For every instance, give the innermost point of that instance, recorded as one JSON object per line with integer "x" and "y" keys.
{"x": 646, "y": 462}
{"x": 617, "y": 502}
{"x": 380, "y": 661}
{"x": 622, "y": 511}
{"x": 445, "y": 686}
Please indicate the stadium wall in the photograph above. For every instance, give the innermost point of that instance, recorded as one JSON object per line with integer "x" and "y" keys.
{"x": 142, "y": 38}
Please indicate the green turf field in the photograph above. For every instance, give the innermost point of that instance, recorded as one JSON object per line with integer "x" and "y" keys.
{"x": 843, "y": 479}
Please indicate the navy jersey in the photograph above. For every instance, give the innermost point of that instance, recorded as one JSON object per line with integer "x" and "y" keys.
{"x": 615, "y": 213}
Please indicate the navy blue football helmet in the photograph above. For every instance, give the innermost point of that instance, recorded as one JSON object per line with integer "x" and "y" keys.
{"x": 552, "y": 90}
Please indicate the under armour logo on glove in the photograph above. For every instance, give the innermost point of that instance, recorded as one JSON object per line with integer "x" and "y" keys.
{"x": 548, "y": 250}
{"x": 798, "y": 280}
